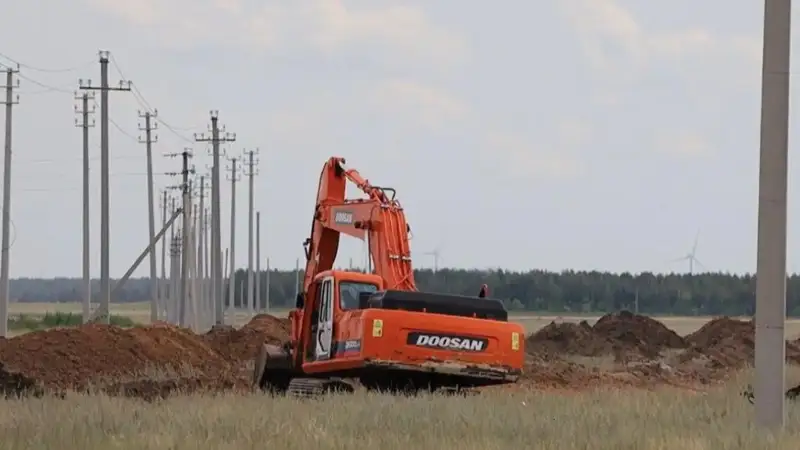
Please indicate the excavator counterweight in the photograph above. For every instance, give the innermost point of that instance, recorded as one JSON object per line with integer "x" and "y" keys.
{"x": 376, "y": 329}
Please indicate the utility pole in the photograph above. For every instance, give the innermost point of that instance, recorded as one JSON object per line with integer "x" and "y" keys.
{"x": 149, "y": 140}
{"x": 171, "y": 301}
{"x": 85, "y": 123}
{"x": 105, "y": 202}
{"x": 202, "y": 296}
{"x": 10, "y": 101}
{"x": 770, "y": 320}
{"x": 251, "y": 172}
{"x": 258, "y": 305}
{"x": 234, "y": 173}
{"x": 162, "y": 293}
{"x": 216, "y": 236}
{"x": 296, "y": 278}
{"x": 186, "y": 240}
{"x": 266, "y": 296}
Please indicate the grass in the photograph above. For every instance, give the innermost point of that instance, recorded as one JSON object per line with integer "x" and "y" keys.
{"x": 25, "y": 322}
{"x": 640, "y": 420}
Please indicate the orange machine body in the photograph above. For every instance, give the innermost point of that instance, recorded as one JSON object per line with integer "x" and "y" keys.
{"x": 407, "y": 340}
{"x": 332, "y": 333}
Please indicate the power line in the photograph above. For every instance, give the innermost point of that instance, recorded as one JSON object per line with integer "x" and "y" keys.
{"x": 137, "y": 94}
{"x": 41, "y": 69}
{"x": 46, "y": 86}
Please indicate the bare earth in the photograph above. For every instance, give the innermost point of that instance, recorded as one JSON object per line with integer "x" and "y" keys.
{"x": 161, "y": 386}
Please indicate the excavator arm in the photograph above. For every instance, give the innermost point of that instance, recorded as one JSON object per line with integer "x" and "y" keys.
{"x": 379, "y": 219}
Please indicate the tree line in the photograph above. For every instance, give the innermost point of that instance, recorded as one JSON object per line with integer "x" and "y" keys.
{"x": 538, "y": 290}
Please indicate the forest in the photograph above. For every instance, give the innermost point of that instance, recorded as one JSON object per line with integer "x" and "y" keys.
{"x": 535, "y": 291}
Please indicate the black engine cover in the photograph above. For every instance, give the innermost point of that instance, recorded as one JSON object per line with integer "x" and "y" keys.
{"x": 449, "y": 304}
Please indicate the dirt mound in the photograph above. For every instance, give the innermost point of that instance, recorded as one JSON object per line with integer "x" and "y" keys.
{"x": 720, "y": 329}
{"x": 730, "y": 343}
{"x": 635, "y": 329}
{"x": 623, "y": 335}
{"x": 241, "y": 345}
{"x": 568, "y": 338}
{"x": 74, "y": 358}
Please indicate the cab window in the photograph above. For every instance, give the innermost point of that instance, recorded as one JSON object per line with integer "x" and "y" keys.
{"x": 349, "y": 292}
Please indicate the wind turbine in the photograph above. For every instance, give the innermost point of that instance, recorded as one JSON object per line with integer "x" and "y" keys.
{"x": 691, "y": 256}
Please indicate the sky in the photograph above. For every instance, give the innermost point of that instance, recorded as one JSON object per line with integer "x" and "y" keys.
{"x": 570, "y": 134}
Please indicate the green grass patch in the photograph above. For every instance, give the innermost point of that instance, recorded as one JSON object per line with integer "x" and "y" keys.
{"x": 32, "y": 322}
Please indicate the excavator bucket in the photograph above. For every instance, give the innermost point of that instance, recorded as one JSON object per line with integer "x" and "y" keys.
{"x": 273, "y": 369}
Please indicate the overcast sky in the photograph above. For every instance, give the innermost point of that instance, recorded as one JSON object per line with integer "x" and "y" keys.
{"x": 585, "y": 134}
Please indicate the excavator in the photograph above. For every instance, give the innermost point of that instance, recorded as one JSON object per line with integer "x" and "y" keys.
{"x": 375, "y": 329}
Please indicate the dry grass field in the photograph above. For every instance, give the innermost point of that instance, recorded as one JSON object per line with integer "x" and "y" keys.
{"x": 501, "y": 419}
{"x": 596, "y": 407}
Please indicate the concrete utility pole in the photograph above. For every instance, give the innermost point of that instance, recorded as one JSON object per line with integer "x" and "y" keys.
{"x": 105, "y": 202}
{"x": 234, "y": 177}
{"x": 202, "y": 292}
{"x": 251, "y": 172}
{"x": 770, "y": 356}
{"x": 162, "y": 292}
{"x": 171, "y": 299}
{"x": 259, "y": 306}
{"x": 10, "y": 101}
{"x": 296, "y": 278}
{"x": 216, "y": 235}
{"x": 174, "y": 268}
{"x": 266, "y": 295}
{"x": 85, "y": 123}
{"x": 186, "y": 226}
{"x": 149, "y": 140}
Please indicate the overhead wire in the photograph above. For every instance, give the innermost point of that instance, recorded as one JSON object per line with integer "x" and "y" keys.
{"x": 46, "y": 70}
{"x": 137, "y": 94}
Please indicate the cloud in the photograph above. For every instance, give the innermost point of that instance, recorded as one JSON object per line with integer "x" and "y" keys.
{"x": 684, "y": 144}
{"x": 321, "y": 25}
{"x": 423, "y": 104}
{"x": 516, "y": 156}
{"x": 615, "y": 42}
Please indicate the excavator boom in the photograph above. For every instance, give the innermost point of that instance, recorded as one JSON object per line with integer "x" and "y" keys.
{"x": 379, "y": 219}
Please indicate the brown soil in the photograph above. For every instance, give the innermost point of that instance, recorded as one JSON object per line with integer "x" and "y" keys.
{"x": 118, "y": 359}
{"x": 614, "y": 334}
{"x": 730, "y": 343}
{"x": 568, "y": 338}
{"x": 240, "y": 345}
{"x": 156, "y": 361}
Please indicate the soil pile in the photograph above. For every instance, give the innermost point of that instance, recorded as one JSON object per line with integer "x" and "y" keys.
{"x": 613, "y": 334}
{"x": 567, "y": 375}
{"x": 730, "y": 343}
{"x": 239, "y": 346}
{"x": 568, "y": 338}
{"x": 143, "y": 361}
{"x": 635, "y": 329}
{"x": 93, "y": 354}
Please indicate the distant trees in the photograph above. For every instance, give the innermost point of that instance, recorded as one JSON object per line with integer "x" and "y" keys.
{"x": 564, "y": 292}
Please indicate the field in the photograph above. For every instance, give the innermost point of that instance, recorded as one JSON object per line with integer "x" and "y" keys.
{"x": 616, "y": 382}
{"x": 599, "y": 420}
{"x": 140, "y": 313}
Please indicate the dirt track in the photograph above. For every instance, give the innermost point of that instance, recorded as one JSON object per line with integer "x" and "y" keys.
{"x": 621, "y": 349}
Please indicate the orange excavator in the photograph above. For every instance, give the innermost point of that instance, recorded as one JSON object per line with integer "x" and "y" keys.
{"x": 376, "y": 329}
